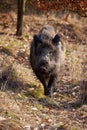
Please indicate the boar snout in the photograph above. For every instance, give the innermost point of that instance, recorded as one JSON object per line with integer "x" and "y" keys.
{"x": 43, "y": 66}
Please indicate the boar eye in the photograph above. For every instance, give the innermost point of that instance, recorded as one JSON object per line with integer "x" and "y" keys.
{"x": 50, "y": 52}
{"x": 56, "y": 40}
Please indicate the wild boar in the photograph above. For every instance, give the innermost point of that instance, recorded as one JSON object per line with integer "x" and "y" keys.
{"x": 46, "y": 57}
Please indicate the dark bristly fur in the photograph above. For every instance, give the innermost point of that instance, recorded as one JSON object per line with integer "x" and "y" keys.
{"x": 46, "y": 57}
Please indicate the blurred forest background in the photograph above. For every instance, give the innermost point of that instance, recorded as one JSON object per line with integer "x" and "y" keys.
{"x": 22, "y": 103}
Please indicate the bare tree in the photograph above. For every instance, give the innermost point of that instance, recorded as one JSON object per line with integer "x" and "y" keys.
{"x": 20, "y": 4}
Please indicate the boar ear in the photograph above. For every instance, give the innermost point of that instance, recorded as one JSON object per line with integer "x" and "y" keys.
{"x": 36, "y": 40}
{"x": 56, "y": 40}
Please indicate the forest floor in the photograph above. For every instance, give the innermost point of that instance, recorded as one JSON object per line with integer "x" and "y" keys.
{"x": 22, "y": 103}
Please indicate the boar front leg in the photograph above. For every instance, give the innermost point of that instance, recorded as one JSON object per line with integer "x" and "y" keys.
{"x": 48, "y": 89}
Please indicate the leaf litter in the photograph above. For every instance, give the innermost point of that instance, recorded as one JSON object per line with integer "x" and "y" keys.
{"x": 22, "y": 103}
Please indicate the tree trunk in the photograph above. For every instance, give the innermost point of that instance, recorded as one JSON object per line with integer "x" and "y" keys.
{"x": 20, "y": 4}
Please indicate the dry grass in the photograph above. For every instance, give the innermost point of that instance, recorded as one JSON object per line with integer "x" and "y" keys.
{"x": 21, "y": 95}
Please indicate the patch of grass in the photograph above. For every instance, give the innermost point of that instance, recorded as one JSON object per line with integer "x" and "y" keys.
{"x": 39, "y": 107}
{"x": 37, "y": 93}
{"x": 10, "y": 125}
{"x": 61, "y": 126}
{"x": 74, "y": 62}
{"x": 11, "y": 115}
{"x": 11, "y": 45}
{"x": 75, "y": 128}
{"x": 20, "y": 96}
